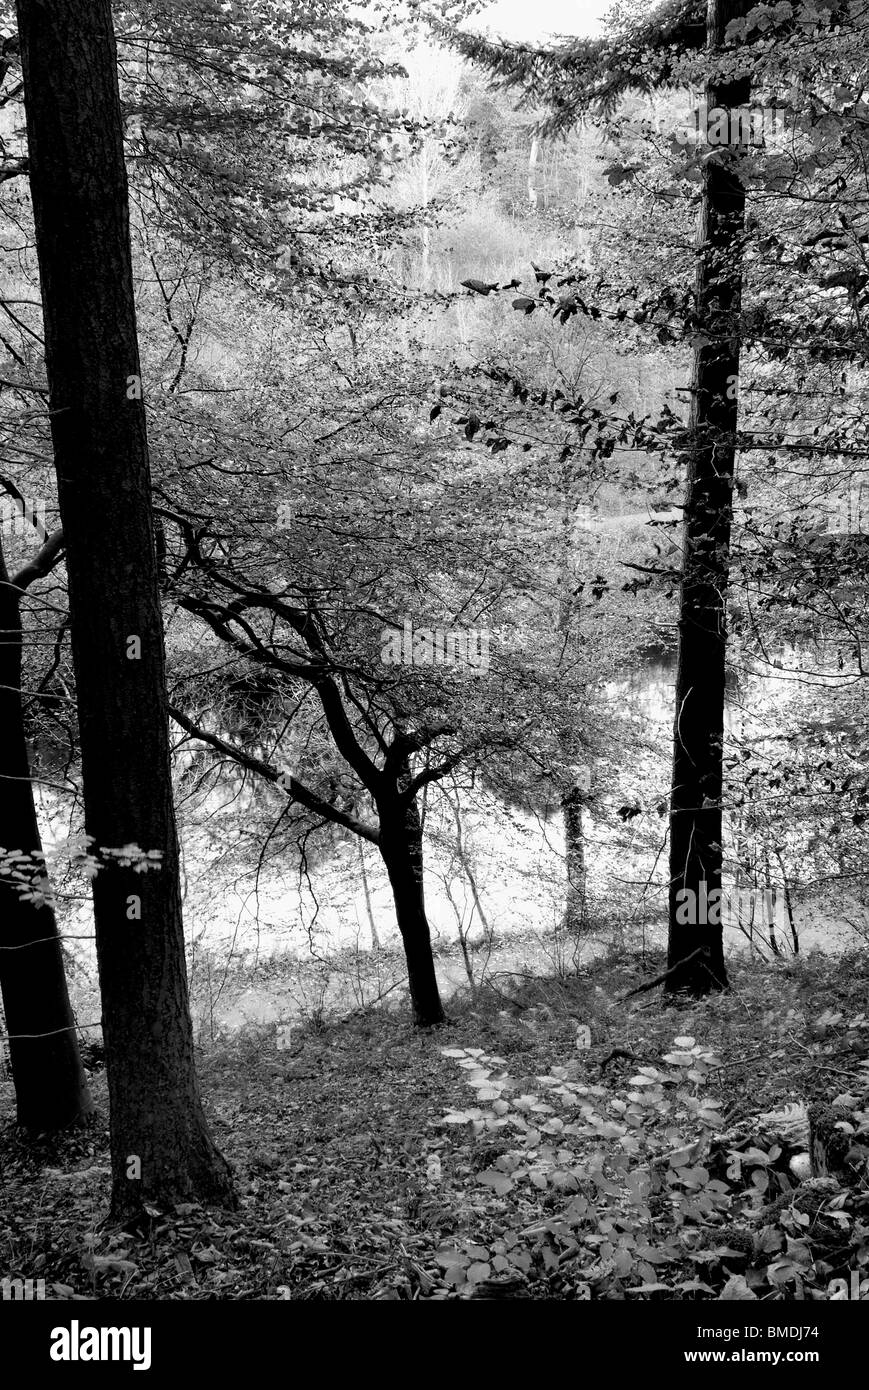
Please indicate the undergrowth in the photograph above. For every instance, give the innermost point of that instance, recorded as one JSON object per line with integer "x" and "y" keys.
{"x": 552, "y": 1140}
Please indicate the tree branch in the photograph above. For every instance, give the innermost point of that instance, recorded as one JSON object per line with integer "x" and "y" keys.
{"x": 43, "y": 562}
{"x": 297, "y": 790}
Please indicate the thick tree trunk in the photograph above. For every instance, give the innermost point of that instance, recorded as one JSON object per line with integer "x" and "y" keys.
{"x": 401, "y": 849}
{"x": 698, "y": 741}
{"x": 50, "y": 1087}
{"x": 161, "y": 1148}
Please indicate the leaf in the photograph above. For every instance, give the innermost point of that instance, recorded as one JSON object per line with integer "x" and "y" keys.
{"x": 478, "y": 1272}
{"x": 736, "y": 1290}
{"x": 639, "y": 1185}
{"x": 769, "y": 1242}
{"x": 620, "y": 173}
{"x": 684, "y": 1042}
{"x": 623, "y": 1261}
{"x": 525, "y": 303}
{"x": 478, "y": 1252}
{"x": 500, "y": 1183}
{"x": 448, "y": 1256}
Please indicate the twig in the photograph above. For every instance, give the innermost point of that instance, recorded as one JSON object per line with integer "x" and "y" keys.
{"x": 619, "y": 1052}
{"x": 659, "y": 979}
{"x": 822, "y": 1066}
{"x": 741, "y": 1061}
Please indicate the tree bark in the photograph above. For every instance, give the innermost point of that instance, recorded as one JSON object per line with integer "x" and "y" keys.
{"x": 160, "y": 1145}
{"x": 575, "y": 914}
{"x": 401, "y": 849}
{"x": 698, "y": 741}
{"x": 51, "y": 1091}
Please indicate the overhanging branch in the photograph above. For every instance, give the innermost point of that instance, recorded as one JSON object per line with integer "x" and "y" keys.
{"x": 296, "y": 789}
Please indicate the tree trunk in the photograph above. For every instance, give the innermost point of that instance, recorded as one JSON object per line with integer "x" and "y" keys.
{"x": 401, "y": 849}
{"x": 425, "y": 230}
{"x": 695, "y": 811}
{"x": 375, "y": 939}
{"x": 575, "y": 916}
{"x": 533, "y": 155}
{"x": 50, "y": 1087}
{"x": 468, "y": 868}
{"x": 160, "y": 1145}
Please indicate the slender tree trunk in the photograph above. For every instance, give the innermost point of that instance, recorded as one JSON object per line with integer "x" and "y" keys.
{"x": 698, "y": 742}
{"x": 533, "y": 155}
{"x": 160, "y": 1145}
{"x": 401, "y": 849}
{"x": 50, "y": 1087}
{"x": 789, "y": 908}
{"x": 467, "y": 867}
{"x": 463, "y": 936}
{"x": 375, "y": 939}
{"x": 425, "y": 232}
{"x": 570, "y": 743}
{"x": 575, "y": 916}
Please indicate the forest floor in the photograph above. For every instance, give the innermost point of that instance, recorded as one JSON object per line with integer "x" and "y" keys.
{"x": 579, "y": 1159}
